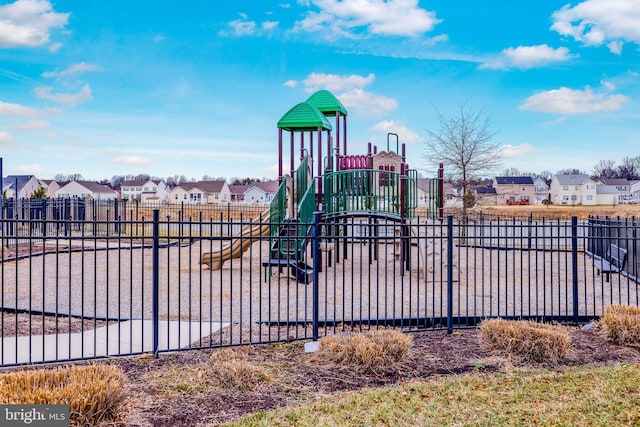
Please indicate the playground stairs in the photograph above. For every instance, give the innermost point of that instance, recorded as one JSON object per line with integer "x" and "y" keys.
{"x": 287, "y": 251}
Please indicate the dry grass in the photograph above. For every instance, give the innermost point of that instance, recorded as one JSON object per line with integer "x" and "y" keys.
{"x": 379, "y": 352}
{"x": 622, "y": 324}
{"x": 535, "y": 342}
{"x": 95, "y": 394}
{"x": 232, "y": 368}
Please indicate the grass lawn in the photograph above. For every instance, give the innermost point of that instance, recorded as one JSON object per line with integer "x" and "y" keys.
{"x": 594, "y": 396}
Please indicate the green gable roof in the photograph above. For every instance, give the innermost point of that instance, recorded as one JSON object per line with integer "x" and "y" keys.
{"x": 304, "y": 116}
{"x": 328, "y": 104}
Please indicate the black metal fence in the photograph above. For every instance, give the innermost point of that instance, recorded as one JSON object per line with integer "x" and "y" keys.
{"x": 74, "y": 289}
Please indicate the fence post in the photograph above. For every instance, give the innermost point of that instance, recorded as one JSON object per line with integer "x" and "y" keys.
{"x": 574, "y": 266}
{"x": 155, "y": 279}
{"x": 449, "y": 274}
{"x": 316, "y": 270}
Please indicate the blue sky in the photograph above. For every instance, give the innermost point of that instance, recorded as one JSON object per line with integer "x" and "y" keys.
{"x": 195, "y": 88}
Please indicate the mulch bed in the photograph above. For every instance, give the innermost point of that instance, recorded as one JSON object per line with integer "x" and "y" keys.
{"x": 435, "y": 354}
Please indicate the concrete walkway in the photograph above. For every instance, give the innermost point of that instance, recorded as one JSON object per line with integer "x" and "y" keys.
{"x": 130, "y": 337}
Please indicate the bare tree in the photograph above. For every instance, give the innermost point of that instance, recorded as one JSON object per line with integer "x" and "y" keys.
{"x": 465, "y": 145}
{"x": 605, "y": 169}
{"x": 629, "y": 168}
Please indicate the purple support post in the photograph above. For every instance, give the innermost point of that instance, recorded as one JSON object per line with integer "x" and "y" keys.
{"x": 291, "y": 159}
{"x": 301, "y": 146}
{"x": 329, "y": 153}
{"x": 344, "y": 140}
{"x": 441, "y": 192}
{"x": 279, "y": 156}
{"x": 338, "y": 132}
{"x": 320, "y": 162}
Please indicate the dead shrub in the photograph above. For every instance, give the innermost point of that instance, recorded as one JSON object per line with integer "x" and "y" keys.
{"x": 532, "y": 341}
{"x": 232, "y": 368}
{"x": 622, "y": 324}
{"x": 379, "y": 351}
{"x": 94, "y": 393}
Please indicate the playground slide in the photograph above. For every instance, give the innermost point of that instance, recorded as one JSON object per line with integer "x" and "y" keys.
{"x": 239, "y": 244}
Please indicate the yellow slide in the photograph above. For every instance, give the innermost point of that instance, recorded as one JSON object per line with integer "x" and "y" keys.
{"x": 239, "y": 244}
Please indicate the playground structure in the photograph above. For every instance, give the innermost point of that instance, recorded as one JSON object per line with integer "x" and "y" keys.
{"x": 377, "y": 185}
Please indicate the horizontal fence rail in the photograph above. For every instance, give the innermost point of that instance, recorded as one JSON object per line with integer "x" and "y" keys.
{"x": 74, "y": 289}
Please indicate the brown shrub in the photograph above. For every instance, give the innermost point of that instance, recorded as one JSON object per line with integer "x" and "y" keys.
{"x": 94, "y": 393}
{"x": 379, "y": 351}
{"x": 533, "y": 341}
{"x": 232, "y": 368}
{"x": 622, "y": 324}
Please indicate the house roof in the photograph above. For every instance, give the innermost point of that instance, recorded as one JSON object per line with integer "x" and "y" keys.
{"x": 486, "y": 190}
{"x": 238, "y": 189}
{"x": 204, "y": 186}
{"x": 267, "y": 186}
{"x": 576, "y": 179}
{"x": 615, "y": 181}
{"x": 139, "y": 182}
{"x": 519, "y": 180}
{"x": 95, "y": 187}
{"x": 11, "y": 180}
{"x": 424, "y": 184}
{"x": 606, "y": 189}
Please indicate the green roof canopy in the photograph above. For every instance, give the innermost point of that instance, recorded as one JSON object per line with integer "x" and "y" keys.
{"x": 304, "y": 116}
{"x": 327, "y": 103}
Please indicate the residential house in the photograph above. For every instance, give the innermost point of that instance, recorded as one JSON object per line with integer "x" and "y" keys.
{"x": 486, "y": 196}
{"x": 574, "y": 189}
{"x": 513, "y": 189}
{"x": 19, "y": 186}
{"x": 153, "y": 190}
{"x": 424, "y": 191}
{"x": 613, "y": 191}
{"x": 540, "y": 190}
{"x": 452, "y": 195}
{"x": 51, "y": 186}
{"x": 261, "y": 192}
{"x": 86, "y": 190}
{"x": 635, "y": 190}
{"x": 237, "y": 192}
{"x": 200, "y": 192}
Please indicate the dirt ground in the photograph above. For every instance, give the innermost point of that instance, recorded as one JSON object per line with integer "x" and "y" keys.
{"x": 560, "y": 211}
{"x": 154, "y": 402}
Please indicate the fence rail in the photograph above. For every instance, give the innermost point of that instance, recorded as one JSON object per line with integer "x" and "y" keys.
{"x": 83, "y": 289}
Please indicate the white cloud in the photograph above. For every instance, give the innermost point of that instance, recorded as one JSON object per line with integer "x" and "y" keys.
{"x": 34, "y": 169}
{"x": 9, "y": 109}
{"x": 571, "y": 101}
{"x": 131, "y": 160}
{"x": 291, "y": 83}
{"x": 596, "y": 22}
{"x": 54, "y": 47}
{"x": 368, "y": 102}
{"x": 525, "y": 57}
{"x": 73, "y": 69}
{"x": 27, "y": 23}
{"x": 405, "y": 135}
{"x": 242, "y": 28}
{"x": 269, "y": 25}
{"x": 509, "y": 150}
{"x": 5, "y": 139}
{"x": 31, "y": 125}
{"x": 336, "y": 83}
{"x": 349, "y": 18}
{"x": 66, "y": 99}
